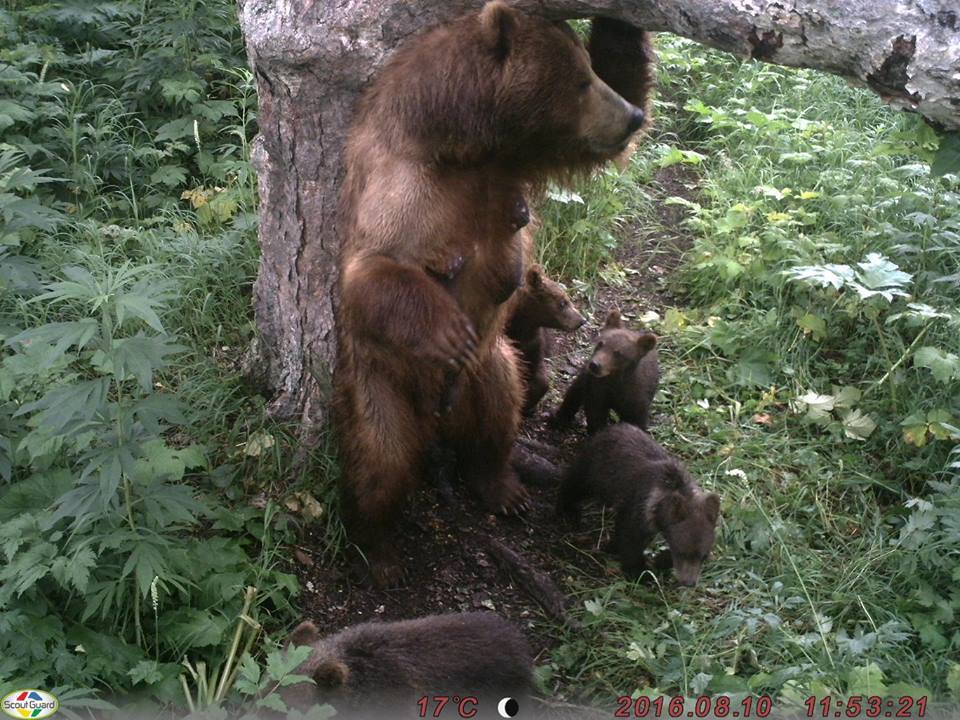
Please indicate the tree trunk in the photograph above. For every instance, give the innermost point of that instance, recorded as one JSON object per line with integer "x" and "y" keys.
{"x": 312, "y": 57}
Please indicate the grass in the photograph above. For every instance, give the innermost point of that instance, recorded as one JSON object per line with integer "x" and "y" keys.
{"x": 814, "y": 386}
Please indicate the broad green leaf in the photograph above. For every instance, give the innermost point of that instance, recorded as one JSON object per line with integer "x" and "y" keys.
{"x": 146, "y": 671}
{"x": 282, "y": 663}
{"x": 35, "y": 494}
{"x": 60, "y": 336}
{"x": 175, "y": 130}
{"x": 857, "y": 425}
{"x": 169, "y": 175}
{"x": 248, "y": 679}
{"x": 877, "y": 272}
{"x": 146, "y": 561}
{"x": 155, "y": 411}
{"x": 845, "y": 397}
{"x": 140, "y": 356}
{"x": 78, "y": 401}
{"x": 185, "y": 87}
{"x": 818, "y": 406}
{"x": 944, "y": 366}
{"x": 191, "y": 627}
{"x": 915, "y": 433}
{"x": 167, "y": 504}
{"x": 866, "y": 680}
{"x": 75, "y": 569}
{"x": 274, "y": 702}
{"x": 813, "y": 325}
{"x": 141, "y": 307}
{"x": 257, "y": 443}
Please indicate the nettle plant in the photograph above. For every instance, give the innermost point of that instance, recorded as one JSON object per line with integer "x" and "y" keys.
{"x": 92, "y": 507}
{"x": 102, "y": 558}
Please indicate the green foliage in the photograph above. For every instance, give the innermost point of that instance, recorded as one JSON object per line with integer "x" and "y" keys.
{"x": 127, "y": 248}
{"x": 812, "y": 379}
{"x": 580, "y": 228}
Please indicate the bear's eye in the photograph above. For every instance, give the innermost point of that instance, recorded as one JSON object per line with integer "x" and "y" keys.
{"x": 563, "y": 304}
{"x": 618, "y": 355}
{"x": 599, "y": 344}
{"x": 584, "y": 86}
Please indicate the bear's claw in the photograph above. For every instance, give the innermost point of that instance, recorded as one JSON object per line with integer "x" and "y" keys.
{"x": 510, "y": 497}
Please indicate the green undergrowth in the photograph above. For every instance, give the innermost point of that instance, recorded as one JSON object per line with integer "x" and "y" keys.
{"x": 812, "y": 378}
{"x": 137, "y": 473}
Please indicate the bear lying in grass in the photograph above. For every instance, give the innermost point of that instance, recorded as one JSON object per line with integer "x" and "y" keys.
{"x": 651, "y": 492}
{"x": 622, "y": 375}
{"x": 386, "y": 667}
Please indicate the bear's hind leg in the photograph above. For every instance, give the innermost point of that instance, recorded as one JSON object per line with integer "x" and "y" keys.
{"x": 536, "y": 388}
{"x": 382, "y": 453}
{"x": 484, "y": 426}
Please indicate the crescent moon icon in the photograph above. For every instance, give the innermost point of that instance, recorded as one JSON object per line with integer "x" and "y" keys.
{"x": 508, "y": 707}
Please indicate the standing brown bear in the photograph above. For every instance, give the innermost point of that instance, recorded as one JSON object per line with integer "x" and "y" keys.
{"x": 622, "y": 375}
{"x": 541, "y": 303}
{"x": 457, "y": 132}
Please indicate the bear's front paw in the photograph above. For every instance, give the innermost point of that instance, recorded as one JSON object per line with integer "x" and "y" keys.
{"x": 508, "y": 497}
{"x": 454, "y": 343}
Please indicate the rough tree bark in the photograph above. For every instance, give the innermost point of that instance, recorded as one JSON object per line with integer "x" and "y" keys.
{"x": 312, "y": 57}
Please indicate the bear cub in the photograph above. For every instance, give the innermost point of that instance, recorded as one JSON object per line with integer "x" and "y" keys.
{"x": 381, "y": 666}
{"x": 538, "y": 304}
{"x": 651, "y": 492}
{"x": 622, "y": 375}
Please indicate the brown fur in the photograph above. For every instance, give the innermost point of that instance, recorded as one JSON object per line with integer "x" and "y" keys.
{"x": 539, "y": 304}
{"x": 651, "y": 491}
{"x": 375, "y": 667}
{"x": 628, "y": 64}
{"x": 460, "y": 127}
{"x": 622, "y": 375}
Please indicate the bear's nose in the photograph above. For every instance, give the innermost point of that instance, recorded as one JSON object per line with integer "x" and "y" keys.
{"x": 636, "y": 120}
{"x": 594, "y": 366}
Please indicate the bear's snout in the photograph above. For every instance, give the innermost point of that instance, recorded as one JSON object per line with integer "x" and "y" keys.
{"x": 636, "y": 121}
{"x": 687, "y": 572}
{"x": 595, "y": 368}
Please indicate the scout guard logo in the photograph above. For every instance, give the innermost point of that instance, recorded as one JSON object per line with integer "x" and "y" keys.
{"x": 30, "y": 704}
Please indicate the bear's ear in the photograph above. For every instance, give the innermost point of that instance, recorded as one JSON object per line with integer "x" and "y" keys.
{"x": 613, "y": 319}
{"x": 534, "y": 277}
{"x": 646, "y": 342}
{"x": 712, "y": 507}
{"x": 331, "y": 673}
{"x": 498, "y": 23}
{"x": 305, "y": 633}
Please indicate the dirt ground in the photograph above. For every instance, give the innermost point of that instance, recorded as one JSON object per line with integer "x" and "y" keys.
{"x": 445, "y": 541}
